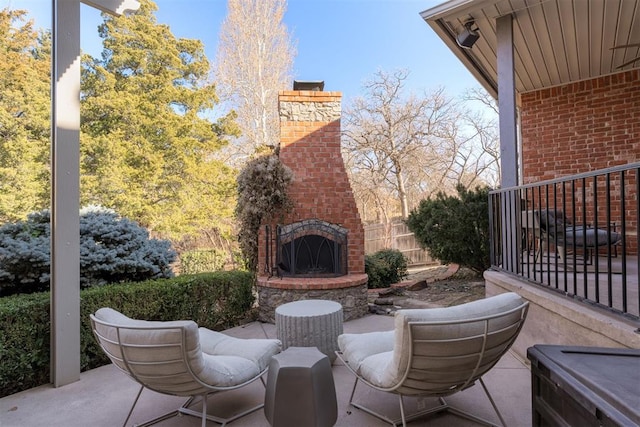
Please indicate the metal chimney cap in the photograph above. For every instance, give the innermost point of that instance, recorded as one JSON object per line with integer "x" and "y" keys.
{"x": 316, "y": 85}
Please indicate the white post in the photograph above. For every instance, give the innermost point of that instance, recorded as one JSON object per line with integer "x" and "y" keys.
{"x": 65, "y": 193}
{"x": 510, "y": 206}
{"x": 507, "y": 102}
{"x": 65, "y": 184}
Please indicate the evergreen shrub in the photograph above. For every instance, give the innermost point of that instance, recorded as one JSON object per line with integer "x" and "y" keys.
{"x": 202, "y": 261}
{"x": 112, "y": 250}
{"x": 455, "y": 229}
{"x": 385, "y": 268}
{"x": 216, "y": 301}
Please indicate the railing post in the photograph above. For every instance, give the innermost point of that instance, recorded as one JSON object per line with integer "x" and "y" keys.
{"x": 511, "y": 231}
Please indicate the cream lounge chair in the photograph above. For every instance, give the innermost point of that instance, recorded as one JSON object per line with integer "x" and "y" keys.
{"x": 180, "y": 359}
{"x": 435, "y": 352}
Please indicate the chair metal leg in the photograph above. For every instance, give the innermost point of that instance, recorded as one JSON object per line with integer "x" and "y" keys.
{"x": 158, "y": 419}
{"x": 153, "y": 421}
{"x": 186, "y": 410}
{"x": 402, "y": 417}
{"x": 376, "y": 414}
{"x": 353, "y": 390}
{"x": 442, "y": 407}
{"x": 367, "y": 410}
{"x": 204, "y": 411}
{"x": 162, "y": 417}
{"x": 133, "y": 406}
{"x": 538, "y": 251}
{"x": 493, "y": 403}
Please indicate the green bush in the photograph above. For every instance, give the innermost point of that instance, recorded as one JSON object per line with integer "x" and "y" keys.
{"x": 455, "y": 229}
{"x": 112, "y": 249}
{"x": 385, "y": 268}
{"x": 215, "y": 300}
{"x": 202, "y": 261}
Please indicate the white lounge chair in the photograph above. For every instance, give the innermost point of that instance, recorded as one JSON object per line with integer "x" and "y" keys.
{"x": 435, "y": 352}
{"x": 180, "y": 359}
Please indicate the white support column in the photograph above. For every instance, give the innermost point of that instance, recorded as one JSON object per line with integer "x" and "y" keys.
{"x": 65, "y": 193}
{"x": 507, "y": 102}
{"x": 65, "y": 183}
{"x": 510, "y": 208}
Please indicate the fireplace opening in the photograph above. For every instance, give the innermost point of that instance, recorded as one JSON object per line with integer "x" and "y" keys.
{"x": 311, "y": 248}
{"x": 310, "y": 256}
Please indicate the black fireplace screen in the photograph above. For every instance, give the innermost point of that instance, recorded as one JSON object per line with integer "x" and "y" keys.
{"x": 310, "y": 248}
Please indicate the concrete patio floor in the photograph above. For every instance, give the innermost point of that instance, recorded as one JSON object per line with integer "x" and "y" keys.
{"x": 103, "y": 396}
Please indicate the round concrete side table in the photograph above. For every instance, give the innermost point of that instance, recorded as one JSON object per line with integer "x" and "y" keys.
{"x": 310, "y": 323}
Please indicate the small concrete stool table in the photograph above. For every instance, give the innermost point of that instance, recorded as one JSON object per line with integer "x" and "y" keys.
{"x": 300, "y": 389}
{"x": 310, "y": 323}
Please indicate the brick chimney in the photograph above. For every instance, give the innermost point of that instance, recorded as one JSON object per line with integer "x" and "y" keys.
{"x": 324, "y": 209}
{"x": 310, "y": 146}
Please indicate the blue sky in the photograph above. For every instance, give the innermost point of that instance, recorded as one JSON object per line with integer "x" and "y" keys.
{"x": 343, "y": 42}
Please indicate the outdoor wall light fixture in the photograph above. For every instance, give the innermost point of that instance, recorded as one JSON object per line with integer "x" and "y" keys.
{"x": 468, "y": 37}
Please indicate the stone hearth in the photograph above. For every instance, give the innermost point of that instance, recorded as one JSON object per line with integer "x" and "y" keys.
{"x": 349, "y": 290}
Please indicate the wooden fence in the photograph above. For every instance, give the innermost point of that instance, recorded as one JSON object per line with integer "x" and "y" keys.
{"x": 395, "y": 235}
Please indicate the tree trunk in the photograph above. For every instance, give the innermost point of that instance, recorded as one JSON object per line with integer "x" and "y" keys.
{"x": 402, "y": 192}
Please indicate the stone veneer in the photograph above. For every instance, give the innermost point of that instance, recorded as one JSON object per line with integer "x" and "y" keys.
{"x": 310, "y": 146}
{"x": 349, "y": 290}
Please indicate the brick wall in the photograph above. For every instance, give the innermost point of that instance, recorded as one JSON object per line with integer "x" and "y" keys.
{"x": 310, "y": 146}
{"x": 581, "y": 127}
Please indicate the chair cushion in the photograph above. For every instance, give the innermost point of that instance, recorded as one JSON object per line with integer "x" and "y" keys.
{"x": 227, "y": 371}
{"x": 552, "y": 220}
{"x": 356, "y": 348}
{"x": 258, "y": 351}
{"x": 560, "y": 228}
{"x": 110, "y": 315}
{"x": 585, "y": 236}
{"x": 375, "y": 369}
{"x": 150, "y": 332}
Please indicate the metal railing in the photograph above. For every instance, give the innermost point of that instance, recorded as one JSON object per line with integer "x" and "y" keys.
{"x": 576, "y": 235}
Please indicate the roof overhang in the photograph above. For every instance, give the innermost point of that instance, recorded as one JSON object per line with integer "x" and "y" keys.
{"x": 555, "y": 41}
{"x": 114, "y": 7}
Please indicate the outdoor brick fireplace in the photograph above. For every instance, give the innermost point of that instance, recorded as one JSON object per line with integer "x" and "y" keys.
{"x": 317, "y": 251}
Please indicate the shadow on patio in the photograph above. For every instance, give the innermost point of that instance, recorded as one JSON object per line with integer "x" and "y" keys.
{"x": 103, "y": 396}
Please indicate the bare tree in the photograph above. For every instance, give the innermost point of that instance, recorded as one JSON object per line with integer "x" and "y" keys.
{"x": 485, "y": 129}
{"x": 412, "y": 147}
{"x": 374, "y": 196}
{"x": 254, "y": 61}
{"x": 386, "y": 134}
